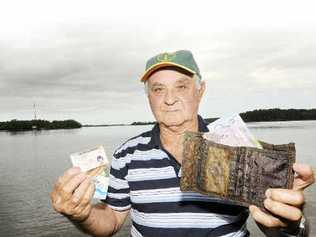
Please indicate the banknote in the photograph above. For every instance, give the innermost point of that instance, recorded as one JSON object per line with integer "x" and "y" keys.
{"x": 96, "y": 164}
{"x": 89, "y": 159}
{"x": 101, "y": 183}
{"x": 231, "y": 130}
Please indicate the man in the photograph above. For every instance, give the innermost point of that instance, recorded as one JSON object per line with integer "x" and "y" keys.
{"x": 145, "y": 173}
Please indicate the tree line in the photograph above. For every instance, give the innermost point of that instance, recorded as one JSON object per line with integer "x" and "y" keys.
{"x": 265, "y": 115}
{"x": 38, "y": 124}
{"x": 260, "y": 115}
{"x": 276, "y": 114}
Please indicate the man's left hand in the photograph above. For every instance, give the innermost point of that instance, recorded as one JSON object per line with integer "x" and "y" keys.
{"x": 285, "y": 204}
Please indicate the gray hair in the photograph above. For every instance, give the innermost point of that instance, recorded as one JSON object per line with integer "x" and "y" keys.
{"x": 195, "y": 77}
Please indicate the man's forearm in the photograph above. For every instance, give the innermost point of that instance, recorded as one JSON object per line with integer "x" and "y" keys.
{"x": 101, "y": 221}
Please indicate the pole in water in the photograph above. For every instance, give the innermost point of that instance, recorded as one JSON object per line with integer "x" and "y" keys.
{"x": 35, "y": 115}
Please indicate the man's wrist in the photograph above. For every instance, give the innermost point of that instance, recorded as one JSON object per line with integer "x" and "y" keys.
{"x": 301, "y": 230}
{"x": 82, "y": 224}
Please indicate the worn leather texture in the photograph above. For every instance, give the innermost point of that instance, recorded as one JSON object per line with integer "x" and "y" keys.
{"x": 237, "y": 174}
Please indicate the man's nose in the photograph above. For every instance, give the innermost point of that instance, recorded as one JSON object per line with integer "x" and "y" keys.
{"x": 170, "y": 98}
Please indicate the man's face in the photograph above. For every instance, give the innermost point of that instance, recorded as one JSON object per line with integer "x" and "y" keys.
{"x": 173, "y": 97}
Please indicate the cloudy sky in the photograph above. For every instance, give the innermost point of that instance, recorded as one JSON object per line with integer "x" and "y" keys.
{"x": 83, "y": 59}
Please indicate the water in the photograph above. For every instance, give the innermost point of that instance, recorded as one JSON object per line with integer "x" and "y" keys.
{"x": 30, "y": 162}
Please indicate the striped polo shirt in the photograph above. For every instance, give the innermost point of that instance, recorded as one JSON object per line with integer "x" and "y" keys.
{"x": 145, "y": 178}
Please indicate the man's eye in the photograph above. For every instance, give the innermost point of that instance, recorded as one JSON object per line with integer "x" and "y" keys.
{"x": 182, "y": 87}
{"x": 157, "y": 89}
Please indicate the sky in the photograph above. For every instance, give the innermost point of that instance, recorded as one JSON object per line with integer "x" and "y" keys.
{"x": 82, "y": 60}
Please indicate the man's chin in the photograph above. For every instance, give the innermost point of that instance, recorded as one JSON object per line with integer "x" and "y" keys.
{"x": 173, "y": 122}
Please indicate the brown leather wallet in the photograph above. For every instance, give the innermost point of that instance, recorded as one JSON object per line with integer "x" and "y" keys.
{"x": 240, "y": 175}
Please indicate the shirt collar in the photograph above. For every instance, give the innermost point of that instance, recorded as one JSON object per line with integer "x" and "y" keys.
{"x": 155, "y": 132}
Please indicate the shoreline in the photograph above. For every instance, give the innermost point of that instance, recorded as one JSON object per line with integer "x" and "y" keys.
{"x": 152, "y": 123}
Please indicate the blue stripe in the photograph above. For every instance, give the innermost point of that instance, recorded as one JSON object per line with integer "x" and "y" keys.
{"x": 154, "y": 184}
{"x": 154, "y": 163}
{"x": 113, "y": 190}
{"x": 192, "y": 206}
{"x": 118, "y": 202}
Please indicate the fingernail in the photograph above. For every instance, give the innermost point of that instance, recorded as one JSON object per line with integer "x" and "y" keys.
{"x": 268, "y": 193}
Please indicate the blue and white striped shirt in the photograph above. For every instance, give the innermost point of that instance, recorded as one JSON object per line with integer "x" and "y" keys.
{"x": 145, "y": 178}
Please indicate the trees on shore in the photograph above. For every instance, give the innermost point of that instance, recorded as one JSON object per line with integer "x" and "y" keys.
{"x": 24, "y": 125}
{"x": 266, "y": 115}
{"x": 276, "y": 114}
{"x": 261, "y": 115}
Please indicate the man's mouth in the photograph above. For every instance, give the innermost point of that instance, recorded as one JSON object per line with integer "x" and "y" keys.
{"x": 173, "y": 110}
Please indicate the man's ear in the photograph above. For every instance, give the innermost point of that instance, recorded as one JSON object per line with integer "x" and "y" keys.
{"x": 202, "y": 89}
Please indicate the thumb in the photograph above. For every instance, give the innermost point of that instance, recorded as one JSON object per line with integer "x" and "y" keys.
{"x": 304, "y": 176}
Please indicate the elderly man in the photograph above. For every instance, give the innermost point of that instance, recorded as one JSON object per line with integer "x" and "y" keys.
{"x": 145, "y": 173}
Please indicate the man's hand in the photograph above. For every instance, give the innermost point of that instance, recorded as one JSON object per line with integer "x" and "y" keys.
{"x": 285, "y": 204}
{"x": 72, "y": 194}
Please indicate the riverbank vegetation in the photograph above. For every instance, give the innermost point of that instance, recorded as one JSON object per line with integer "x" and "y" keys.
{"x": 260, "y": 115}
{"x": 266, "y": 115}
{"x": 38, "y": 124}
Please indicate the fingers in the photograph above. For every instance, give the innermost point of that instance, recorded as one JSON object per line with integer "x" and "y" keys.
{"x": 264, "y": 218}
{"x": 302, "y": 169}
{"x": 72, "y": 194}
{"x": 89, "y": 194}
{"x": 80, "y": 191}
{"x": 67, "y": 176}
{"x": 83, "y": 207}
{"x": 283, "y": 205}
{"x": 72, "y": 184}
{"x": 286, "y": 196}
{"x": 86, "y": 197}
{"x": 305, "y": 176}
{"x": 59, "y": 193}
{"x": 290, "y": 213}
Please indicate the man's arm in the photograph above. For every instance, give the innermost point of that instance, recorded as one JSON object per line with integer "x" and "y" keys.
{"x": 102, "y": 221}
{"x": 72, "y": 195}
{"x": 284, "y": 205}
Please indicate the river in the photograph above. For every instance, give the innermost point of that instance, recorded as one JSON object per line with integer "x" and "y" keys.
{"x": 31, "y": 161}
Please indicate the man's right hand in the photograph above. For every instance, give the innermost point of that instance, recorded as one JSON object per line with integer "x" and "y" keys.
{"x": 72, "y": 194}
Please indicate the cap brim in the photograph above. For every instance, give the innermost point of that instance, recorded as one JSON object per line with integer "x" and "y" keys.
{"x": 157, "y": 66}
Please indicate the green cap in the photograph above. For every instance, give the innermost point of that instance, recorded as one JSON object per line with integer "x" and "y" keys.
{"x": 182, "y": 59}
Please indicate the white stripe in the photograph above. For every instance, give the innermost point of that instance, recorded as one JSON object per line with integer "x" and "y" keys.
{"x": 134, "y": 142}
{"x": 119, "y": 163}
{"x": 135, "y": 232}
{"x": 168, "y": 195}
{"x": 153, "y": 154}
{"x": 181, "y": 220}
{"x": 118, "y": 183}
{"x": 118, "y": 195}
{"x": 119, "y": 208}
{"x": 239, "y": 233}
{"x": 150, "y": 174}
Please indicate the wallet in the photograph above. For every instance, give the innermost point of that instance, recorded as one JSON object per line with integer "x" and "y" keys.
{"x": 240, "y": 175}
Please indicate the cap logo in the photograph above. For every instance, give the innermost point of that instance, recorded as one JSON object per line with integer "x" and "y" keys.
{"x": 165, "y": 57}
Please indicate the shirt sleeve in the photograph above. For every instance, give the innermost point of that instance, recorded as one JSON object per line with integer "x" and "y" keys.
{"x": 118, "y": 196}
